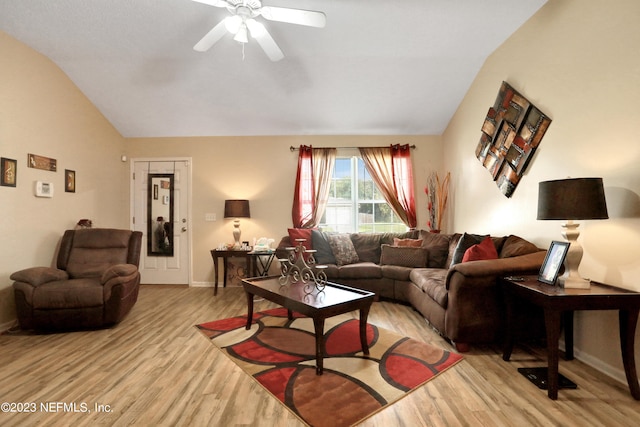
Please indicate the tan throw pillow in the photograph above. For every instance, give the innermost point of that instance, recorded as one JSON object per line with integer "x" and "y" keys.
{"x": 343, "y": 249}
{"x": 404, "y": 256}
{"x": 414, "y": 243}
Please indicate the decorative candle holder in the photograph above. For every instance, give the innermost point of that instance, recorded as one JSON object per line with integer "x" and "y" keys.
{"x": 300, "y": 267}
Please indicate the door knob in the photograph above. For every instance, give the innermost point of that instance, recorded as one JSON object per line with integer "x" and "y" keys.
{"x": 184, "y": 229}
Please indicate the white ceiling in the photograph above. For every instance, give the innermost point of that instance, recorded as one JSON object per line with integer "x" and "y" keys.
{"x": 378, "y": 67}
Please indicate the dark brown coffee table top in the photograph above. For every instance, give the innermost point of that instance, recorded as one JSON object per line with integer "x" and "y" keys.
{"x": 293, "y": 296}
{"x": 333, "y": 300}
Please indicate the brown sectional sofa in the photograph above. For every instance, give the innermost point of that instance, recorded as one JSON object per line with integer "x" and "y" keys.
{"x": 463, "y": 301}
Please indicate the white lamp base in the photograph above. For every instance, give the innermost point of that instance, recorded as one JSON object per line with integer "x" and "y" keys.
{"x": 574, "y": 283}
{"x": 236, "y": 234}
{"x": 571, "y": 278}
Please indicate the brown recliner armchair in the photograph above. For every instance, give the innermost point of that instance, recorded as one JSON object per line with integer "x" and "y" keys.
{"x": 95, "y": 285}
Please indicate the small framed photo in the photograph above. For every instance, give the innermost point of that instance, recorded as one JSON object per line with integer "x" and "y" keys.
{"x": 69, "y": 181}
{"x": 553, "y": 262}
{"x": 8, "y": 169}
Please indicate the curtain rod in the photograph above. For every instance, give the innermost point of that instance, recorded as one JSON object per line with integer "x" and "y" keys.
{"x": 292, "y": 148}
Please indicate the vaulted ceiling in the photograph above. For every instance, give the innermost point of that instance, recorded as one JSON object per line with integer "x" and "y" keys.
{"x": 378, "y": 67}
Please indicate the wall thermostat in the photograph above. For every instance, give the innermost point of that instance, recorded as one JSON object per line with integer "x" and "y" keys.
{"x": 44, "y": 189}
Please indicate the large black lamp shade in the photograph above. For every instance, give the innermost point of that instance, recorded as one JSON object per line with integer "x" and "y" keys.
{"x": 577, "y": 198}
{"x": 572, "y": 199}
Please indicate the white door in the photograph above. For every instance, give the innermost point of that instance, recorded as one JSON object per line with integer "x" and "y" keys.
{"x": 163, "y": 217}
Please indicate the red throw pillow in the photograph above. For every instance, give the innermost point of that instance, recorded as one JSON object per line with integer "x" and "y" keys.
{"x": 483, "y": 250}
{"x": 301, "y": 233}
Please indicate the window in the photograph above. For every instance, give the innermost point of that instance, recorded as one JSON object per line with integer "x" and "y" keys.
{"x": 355, "y": 204}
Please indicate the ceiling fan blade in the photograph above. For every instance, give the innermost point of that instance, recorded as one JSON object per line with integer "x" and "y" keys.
{"x": 309, "y": 18}
{"x": 264, "y": 39}
{"x": 211, "y": 37}
{"x": 216, "y": 3}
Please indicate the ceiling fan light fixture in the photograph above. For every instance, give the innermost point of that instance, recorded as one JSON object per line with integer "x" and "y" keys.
{"x": 241, "y": 35}
{"x": 256, "y": 29}
{"x": 242, "y": 24}
{"x": 233, "y": 23}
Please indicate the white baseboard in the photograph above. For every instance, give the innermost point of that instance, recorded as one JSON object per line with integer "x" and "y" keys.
{"x": 211, "y": 285}
{"x": 4, "y": 327}
{"x": 597, "y": 364}
{"x": 202, "y": 284}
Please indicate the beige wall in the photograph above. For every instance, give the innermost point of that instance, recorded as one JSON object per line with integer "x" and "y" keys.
{"x": 263, "y": 170}
{"x": 43, "y": 113}
{"x": 578, "y": 62}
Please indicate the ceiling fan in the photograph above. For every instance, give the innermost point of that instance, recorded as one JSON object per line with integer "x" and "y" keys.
{"x": 242, "y": 23}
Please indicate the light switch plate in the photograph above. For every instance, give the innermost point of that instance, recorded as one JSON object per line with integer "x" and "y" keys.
{"x": 210, "y": 217}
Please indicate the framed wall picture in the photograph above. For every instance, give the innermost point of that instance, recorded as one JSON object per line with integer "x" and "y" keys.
{"x": 41, "y": 162}
{"x": 553, "y": 262}
{"x": 69, "y": 181}
{"x": 8, "y": 169}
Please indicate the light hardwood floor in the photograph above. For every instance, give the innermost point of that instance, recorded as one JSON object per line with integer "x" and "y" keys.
{"x": 156, "y": 368}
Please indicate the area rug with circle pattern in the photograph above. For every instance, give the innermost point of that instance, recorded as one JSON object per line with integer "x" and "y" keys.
{"x": 280, "y": 354}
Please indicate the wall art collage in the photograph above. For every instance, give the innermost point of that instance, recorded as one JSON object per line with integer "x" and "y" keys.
{"x": 9, "y": 174}
{"x": 511, "y": 133}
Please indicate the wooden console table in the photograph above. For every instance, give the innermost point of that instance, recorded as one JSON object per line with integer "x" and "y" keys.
{"x": 258, "y": 263}
{"x": 559, "y": 303}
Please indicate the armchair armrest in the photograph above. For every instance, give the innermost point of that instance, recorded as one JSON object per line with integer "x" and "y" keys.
{"x": 36, "y": 276}
{"x": 124, "y": 276}
{"x": 118, "y": 271}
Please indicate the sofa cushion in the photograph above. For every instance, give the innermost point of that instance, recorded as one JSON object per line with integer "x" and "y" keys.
{"x": 367, "y": 246}
{"x": 483, "y": 250}
{"x": 360, "y": 270}
{"x": 387, "y": 238}
{"x": 466, "y": 241}
{"x": 332, "y": 271}
{"x": 74, "y": 293}
{"x": 516, "y": 246}
{"x": 396, "y": 272}
{"x": 416, "y": 243}
{"x": 301, "y": 233}
{"x": 343, "y": 249}
{"x": 404, "y": 256}
{"x": 431, "y": 281}
{"x": 437, "y": 246}
{"x": 324, "y": 254}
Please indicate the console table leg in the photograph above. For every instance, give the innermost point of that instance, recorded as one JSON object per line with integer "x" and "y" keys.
{"x": 224, "y": 272}
{"x": 215, "y": 272}
{"x": 552, "y": 325}
{"x": 628, "y": 320}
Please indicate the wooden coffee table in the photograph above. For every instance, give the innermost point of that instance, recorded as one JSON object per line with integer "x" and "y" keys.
{"x": 334, "y": 300}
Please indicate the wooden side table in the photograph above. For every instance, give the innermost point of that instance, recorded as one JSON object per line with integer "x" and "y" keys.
{"x": 560, "y": 303}
{"x": 258, "y": 263}
{"x": 226, "y": 254}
